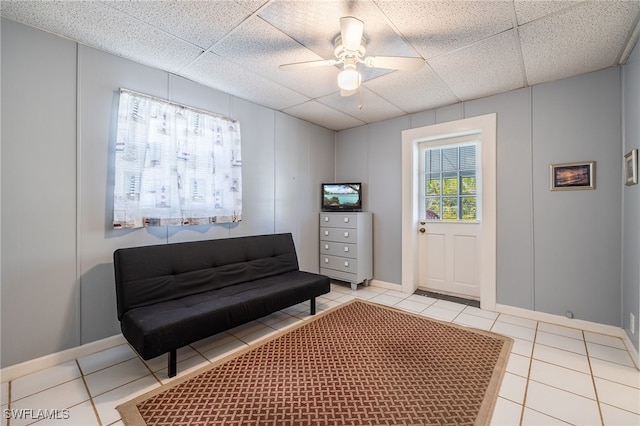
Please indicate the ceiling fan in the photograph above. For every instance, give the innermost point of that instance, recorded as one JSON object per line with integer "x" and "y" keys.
{"x": 349, "y": 50}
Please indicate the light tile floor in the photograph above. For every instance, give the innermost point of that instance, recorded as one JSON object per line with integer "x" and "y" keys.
{"x": 555, "y": 375}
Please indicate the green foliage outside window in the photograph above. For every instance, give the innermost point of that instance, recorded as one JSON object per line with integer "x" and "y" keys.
{"x": 451, "y": 183}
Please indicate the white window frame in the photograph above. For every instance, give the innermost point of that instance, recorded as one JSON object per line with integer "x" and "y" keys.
{"x": 440, "y": 143}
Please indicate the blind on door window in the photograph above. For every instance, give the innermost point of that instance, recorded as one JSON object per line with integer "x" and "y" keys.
{"x": 450, "y": 180}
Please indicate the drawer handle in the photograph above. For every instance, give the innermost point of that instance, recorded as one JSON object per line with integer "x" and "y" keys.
{"x": 346, "y": 263}
{"x": 326, "y": 246}
{"x": 326, "y": 260}
{"x": 346, "y": 220}
{"x": 346, "y": 234}
{"x": 326, "y": 233}
{"x": 326, "y": 218}
{"x": 346, "y": 249}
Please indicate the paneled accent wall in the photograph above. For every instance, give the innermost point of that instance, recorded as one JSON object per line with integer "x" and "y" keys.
{"x": 58, "y": 132}
{"x": 556, "y": 252}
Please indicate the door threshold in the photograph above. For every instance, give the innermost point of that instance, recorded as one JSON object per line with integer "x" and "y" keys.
{"x": 448, "y": 297}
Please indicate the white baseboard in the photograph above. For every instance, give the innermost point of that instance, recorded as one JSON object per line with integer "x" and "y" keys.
{"x": 635, "y": 355}
{"x": 594, "y": 327}
{"x": 385, "y": 285}
{"x": 18, "y": 370}
{"x": 560, "y": 320}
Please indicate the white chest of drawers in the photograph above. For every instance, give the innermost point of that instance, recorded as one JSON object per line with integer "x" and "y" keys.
{"x": 346, "y": 247}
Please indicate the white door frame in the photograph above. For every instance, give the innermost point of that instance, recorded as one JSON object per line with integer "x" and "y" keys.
{"x": 486, "y": 126}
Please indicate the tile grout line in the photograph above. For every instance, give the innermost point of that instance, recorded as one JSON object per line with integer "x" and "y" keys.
{"x": 86, "y": 387}
{"x": 494, "y": 321}
{"x": 593, "y": 379}
{"x": 591, "y": 374}
{"x": 526, "y": 387}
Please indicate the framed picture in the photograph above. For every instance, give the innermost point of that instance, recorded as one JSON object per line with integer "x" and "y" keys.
{"x": 631, "y": 167}
{"x": 571, "y": 176}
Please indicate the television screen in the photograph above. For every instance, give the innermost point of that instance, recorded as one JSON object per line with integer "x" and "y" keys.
{"x": 341, "y": 196}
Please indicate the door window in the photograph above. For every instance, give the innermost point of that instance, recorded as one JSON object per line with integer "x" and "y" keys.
{"x": 451, "y": 187}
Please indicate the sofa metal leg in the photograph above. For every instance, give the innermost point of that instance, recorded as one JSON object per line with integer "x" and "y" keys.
{"x": 173, "y": 361}
{"x": 312, "y": 302}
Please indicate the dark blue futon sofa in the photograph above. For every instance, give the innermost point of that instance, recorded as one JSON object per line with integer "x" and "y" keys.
{"x": 171, "y": 295}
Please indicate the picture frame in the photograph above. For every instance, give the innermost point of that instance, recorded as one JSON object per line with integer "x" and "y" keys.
{"x": 631, "y": 167}
{"x": 573, "y": 176}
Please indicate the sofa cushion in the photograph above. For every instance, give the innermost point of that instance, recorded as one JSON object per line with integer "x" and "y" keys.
{"x": 153, "y": 274}
{"x": 156, "y": 329}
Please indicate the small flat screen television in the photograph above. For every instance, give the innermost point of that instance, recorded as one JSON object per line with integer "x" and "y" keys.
{"x": 346, "y": 197}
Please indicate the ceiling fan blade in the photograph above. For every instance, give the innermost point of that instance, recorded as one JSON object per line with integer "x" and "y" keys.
{"x": 351, "y": 30}
{"x": 346, "y": 93}
{"x": 308, "y": 64}
{"x": 403, "y": 63}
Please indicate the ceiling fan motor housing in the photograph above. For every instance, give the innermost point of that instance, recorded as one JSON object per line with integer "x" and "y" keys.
{"x": 341, "y": 52}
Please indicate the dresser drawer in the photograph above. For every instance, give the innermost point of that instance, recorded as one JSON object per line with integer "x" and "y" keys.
{"x": 339, "y": 275}
{"x": 337, "y": 263}
{"x": 339, "y": 235}
{"x": 339, "y": 220}
{"x": 338, "y": 249}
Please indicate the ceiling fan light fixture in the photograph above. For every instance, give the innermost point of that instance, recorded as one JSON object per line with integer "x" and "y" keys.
{"x": 349, "y": 78}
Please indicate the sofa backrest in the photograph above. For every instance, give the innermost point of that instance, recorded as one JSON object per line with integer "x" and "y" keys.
{"x": 152, "y": 274}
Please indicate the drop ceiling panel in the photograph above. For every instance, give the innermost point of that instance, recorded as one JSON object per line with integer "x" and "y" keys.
{"x": 261, "y": 48}
{"x": 527, "y": 10}
{"x": 495, "y": 63}
{"x": 364, "y": 105}
{"x": 221, "y": 74}
{"x": 438, "y": 27}
{"x": 471, "y": 46}
{"x": 97, "y": 25}
{"x": 585, "y": 38}
{"x": 251, "y": 5}
{"x": 323, "y": 115}
{"x": 201, "y": 23}
{"x": 413, "y": 91}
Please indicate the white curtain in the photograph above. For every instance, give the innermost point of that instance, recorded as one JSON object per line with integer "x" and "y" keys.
{"x": 174, "y": 165}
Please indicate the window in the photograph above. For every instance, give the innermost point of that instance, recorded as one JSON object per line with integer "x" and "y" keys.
{"x": 451, "y": 182}
{"x": 174, "y": 165}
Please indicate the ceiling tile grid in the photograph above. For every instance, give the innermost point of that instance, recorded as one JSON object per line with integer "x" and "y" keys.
{"x": 315, "y": 24}
{"x": 492, "y": 65}
{"x": 588, "y": 37}
{"x": 471, "y": 48}
{"x": 260, "y": 48}
{"x": 221, "y": 74}
{"x": 200, "y": 23}
{"x": 527, "y": 10}
{"x": 97, "y": 25}
{"x": 413, "y": 91}
{"x": 365, "y": 105}
{"x": 437, "y": 27}
{"x": 322, "y": 115}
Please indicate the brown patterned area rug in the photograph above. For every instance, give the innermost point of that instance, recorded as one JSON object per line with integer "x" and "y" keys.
{"x": 357, "y": 364}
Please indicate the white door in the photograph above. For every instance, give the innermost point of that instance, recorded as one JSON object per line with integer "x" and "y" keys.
{"x": 449, "y": 258}
{"x": 450, "y": 228}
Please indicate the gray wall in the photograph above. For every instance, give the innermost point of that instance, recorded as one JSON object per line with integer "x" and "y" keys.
{"x": 631, "y": 200}
{"x": 59, "y": 107}
{"x": 556, "y": 251}
{"x": 577, "y": 234}
{"x": 39, "y": 283}
{"x": 59, "y": 104}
